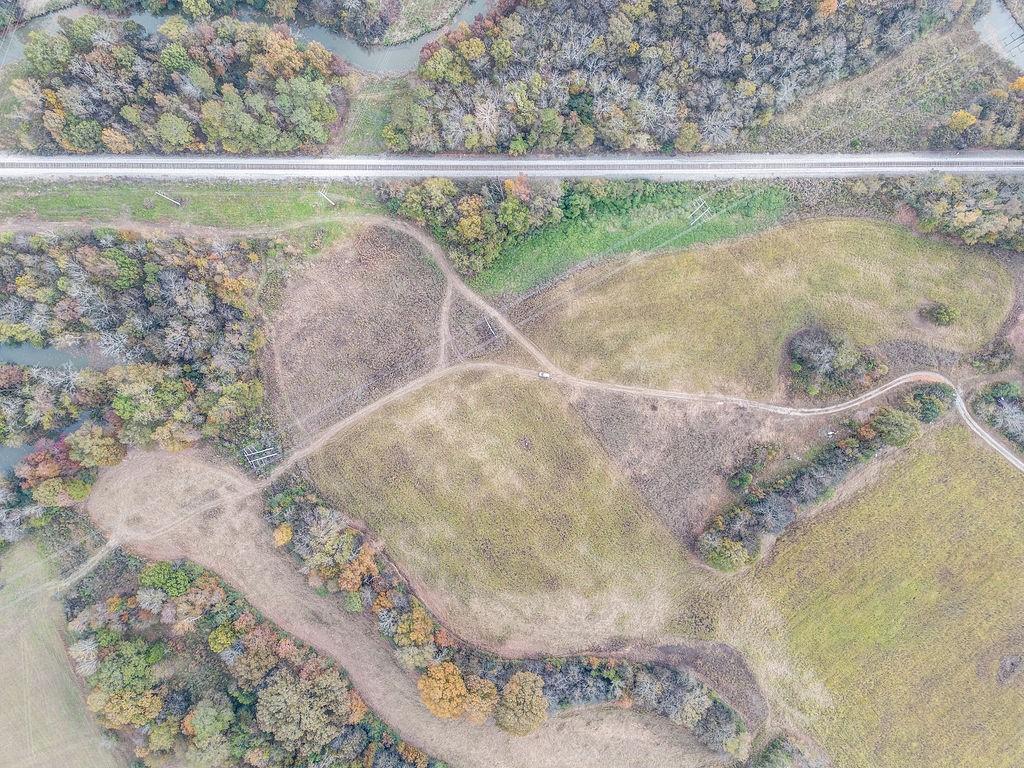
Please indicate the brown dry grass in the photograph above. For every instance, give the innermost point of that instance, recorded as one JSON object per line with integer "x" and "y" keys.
{"x": 148, "y": 503}
{"x": 506, "y": 513}
{"x": 679, "y": 455}
{"x": 352, "y": 325}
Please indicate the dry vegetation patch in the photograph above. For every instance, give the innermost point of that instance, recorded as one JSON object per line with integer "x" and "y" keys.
{"x": 506, "y": 513}
{"x": 679, "y": 455}
{"x": 717, "y": 319}
{"x": 353, "y": 324}
{"x": 902, "y": 610}
{"x": 892, "y": 106}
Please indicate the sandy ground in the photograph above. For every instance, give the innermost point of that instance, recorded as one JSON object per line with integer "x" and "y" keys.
{"x": 149, "y": 504}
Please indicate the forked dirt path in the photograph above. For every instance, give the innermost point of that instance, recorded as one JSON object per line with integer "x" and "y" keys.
{"x": 168, "y": 506}
{"x": 147, "y": 504}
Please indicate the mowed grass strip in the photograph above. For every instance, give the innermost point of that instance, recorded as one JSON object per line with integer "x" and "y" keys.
{"x": 217, "y": 205}
{"x": 717, "y": 319}
{"x": 905, "y": 602}
{"x": 494, "y": 496}
{"x": 43, "y": 718}
{"x": 668, "y": 223}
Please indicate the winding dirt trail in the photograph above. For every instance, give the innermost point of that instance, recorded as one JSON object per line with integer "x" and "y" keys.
{"x": 143, "y": 502}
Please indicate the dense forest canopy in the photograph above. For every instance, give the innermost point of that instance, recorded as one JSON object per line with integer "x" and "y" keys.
{"x": 365, "y": 20}
{"x": 648, "y": 75}
{"x": 106, "y": 86}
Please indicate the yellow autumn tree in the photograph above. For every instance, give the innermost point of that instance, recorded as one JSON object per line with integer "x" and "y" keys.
{"x": 415, "y": 627}
{"x": 961, "y": 120}
{"x": 481, "y": 698}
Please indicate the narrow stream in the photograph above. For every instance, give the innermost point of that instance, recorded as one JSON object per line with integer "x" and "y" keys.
{"x": 386, "y": 59}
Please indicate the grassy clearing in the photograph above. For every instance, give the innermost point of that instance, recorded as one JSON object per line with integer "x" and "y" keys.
{"x": 224, "y": 205}
{"x": 491, "y": 493}
{"x": 904, "y": 604}
{"x": 367, "y": 116}
{"x": 419, "y": 17}
{"x": 892, "y": 106}
{"x": 647, "y": 228}
{"x": 43, "y": 719}
{"x": 717, "y": 319}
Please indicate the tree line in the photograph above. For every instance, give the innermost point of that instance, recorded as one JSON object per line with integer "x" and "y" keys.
{"x": 188, "y": 673}
{"x": 767, "y": 506}
{"x": 458, "y": 681}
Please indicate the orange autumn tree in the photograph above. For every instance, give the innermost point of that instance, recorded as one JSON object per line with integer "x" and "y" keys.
{"x": 443, "y": 690}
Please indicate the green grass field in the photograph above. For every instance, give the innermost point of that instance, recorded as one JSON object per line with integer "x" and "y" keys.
{"x": 904, "y": 602}
{"x": 219, "y": 205}
{"x": 717, "y": 318}
{"x": 655, "y": 226}
{"x": 367, "y": 116}
{"x": 493, "y": 495}
{"x": 43, "y": 718}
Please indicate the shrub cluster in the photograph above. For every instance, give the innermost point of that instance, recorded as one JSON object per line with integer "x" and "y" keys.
{"x": 188, "y": 673}
{"x": 99, "y": 85}
{"x": 823, "y": 364}
{"x": 640, "y": 76}
{"x": 980, "y": 210}
{"x": 175, "y": 318}
{"x": 1001, "y": 405}
{"x": 733, "y": 538}
{"x": 459, "y": 681}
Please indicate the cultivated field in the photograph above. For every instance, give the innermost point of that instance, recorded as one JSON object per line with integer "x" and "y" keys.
{"x": 717, "y": 319}
{"x": 352, "y": 324}
{"x": 903, "y": 609}
{"x": 44, "y": 722}
{"x": 489, "y": 490}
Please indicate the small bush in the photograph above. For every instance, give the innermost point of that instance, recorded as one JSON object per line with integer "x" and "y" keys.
{"x": 941, "y": 314}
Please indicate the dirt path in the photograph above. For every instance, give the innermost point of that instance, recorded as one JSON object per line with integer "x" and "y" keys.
{"x": 444, "y": 333}
{"x": 143, "y": 503}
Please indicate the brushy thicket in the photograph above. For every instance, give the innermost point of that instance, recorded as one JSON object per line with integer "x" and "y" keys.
{"x": 176, "y": 320}
{"x": 1001, "y": 405}
{"x": 477, "y": 220}
{"x": 106, "y": 86}
{"x": 980, "y": 210}
{"x": 459, "y": 681}
{"x": 189, "y": 674}
{"x": 365, "y": 20}
{"x": 995, "y": 119}
{"x": 643, "y": 76}
{"x": 823, "y": 364}
{"x": 733, "y": 538}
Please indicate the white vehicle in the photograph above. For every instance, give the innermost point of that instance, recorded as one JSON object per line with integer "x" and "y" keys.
{"x": 544, "y": 375}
